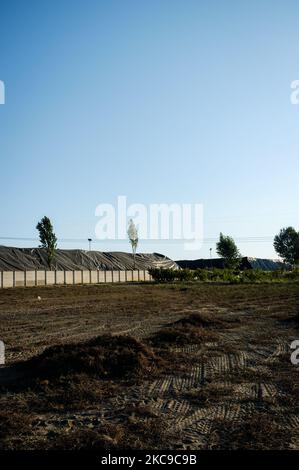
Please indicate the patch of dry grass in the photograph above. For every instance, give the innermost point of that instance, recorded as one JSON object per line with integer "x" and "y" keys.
{"x": 14, "y": 426}
{"x": 135, "y": 433}
{"x": 258, "y": 432}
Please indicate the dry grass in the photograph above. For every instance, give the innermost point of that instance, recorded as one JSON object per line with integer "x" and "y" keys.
{"x": 257, "y": 432}
{"x": 14, "y": 427}
{"x": 135, "y": 433}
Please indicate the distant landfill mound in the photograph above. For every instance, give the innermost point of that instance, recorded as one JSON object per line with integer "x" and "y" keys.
{"x": 246, "y": 263}
{"x": 21, "y": 259}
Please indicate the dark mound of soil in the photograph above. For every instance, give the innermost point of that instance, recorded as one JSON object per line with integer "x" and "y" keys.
{"x": 193, "y": 329}
{"x": 200, "y": 320}
{"x": 104, "y": 356}
{"x": 182, "y": 335}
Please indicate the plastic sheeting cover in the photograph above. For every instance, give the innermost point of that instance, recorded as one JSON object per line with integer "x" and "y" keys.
{"x": 20, "y": 259}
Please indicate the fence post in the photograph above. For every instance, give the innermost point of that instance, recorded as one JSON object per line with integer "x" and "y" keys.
{"x": 25, "y": 278}
{"x": 55, "y": 277}
{"x": 35, "y": 280}
{"x": 98, "y": 276}
{"x": 73, "y": 277}
{"x": 2, "y": 280}
{"x": 105, "y": 276}
{"x": 45, "y": 277}
{"x": 90, "y": 276}
{"x": 64, "y": 277}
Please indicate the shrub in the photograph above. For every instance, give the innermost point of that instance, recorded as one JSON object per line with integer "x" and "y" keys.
{"x": 232, "y": 276}
{"x": 163, "y": 275}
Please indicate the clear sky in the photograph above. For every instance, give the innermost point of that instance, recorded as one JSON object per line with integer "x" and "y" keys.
{"x": 162, "y": 101}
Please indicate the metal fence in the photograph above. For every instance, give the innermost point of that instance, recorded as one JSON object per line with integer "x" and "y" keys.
{"x": 52, "y": 278}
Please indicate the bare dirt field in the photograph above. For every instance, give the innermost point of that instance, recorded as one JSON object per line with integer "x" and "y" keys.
{"x": 179, "y": 366}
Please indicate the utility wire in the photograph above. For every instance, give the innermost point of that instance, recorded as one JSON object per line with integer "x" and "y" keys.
{"x": 265, "y": 239}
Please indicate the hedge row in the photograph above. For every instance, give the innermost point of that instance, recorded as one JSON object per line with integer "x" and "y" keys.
{"x": 222, "y": 275}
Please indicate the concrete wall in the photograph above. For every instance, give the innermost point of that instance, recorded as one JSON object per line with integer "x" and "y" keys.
{"x": 50, "y": 278}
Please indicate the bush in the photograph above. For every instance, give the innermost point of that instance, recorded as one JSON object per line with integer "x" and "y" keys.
{"x": 232, "y": 276}
{"x": 185, "y": 275}
{"x": 292, "y": 274}
{"x": 163, "y": 275}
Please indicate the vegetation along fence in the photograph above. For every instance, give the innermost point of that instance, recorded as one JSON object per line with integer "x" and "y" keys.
{"x": 52, "y": 278}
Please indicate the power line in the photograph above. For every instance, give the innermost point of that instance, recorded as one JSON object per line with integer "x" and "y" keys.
{"x": 261, "y": 239}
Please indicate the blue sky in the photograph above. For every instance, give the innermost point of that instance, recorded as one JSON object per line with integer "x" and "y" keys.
{"x": 163, "y": 101}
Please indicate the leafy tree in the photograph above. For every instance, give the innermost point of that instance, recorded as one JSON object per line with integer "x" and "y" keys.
{"x": 47, "y": 238}
{"x": 133, "y": 237}
{"x": 228, "y": 250}
{"x": 286, "y": 244}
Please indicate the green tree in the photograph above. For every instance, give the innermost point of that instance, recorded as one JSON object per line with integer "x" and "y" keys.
{"x": 286, "y": 244}
{"x": 228, "y": 250}
{"x": 133, "y": 237}
{"x": 47, "y": 238}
